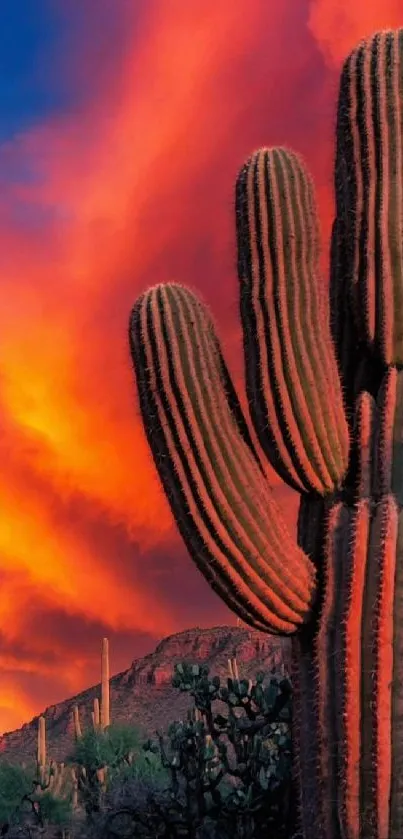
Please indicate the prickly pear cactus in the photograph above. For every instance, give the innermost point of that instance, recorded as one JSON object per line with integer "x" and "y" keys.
{"x": 326, "y": 406}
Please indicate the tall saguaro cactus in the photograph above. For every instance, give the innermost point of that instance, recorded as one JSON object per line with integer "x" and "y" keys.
{"x": 326, "y": 403}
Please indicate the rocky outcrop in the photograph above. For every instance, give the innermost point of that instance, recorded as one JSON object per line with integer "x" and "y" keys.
{"x": 143, "y": 694}
{"x": 212, "y": 646}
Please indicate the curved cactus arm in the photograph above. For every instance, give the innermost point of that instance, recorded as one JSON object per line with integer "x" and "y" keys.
{"x": 219, "y": 497}
{"x": 369, "y": 188}
{"x": 291, "y": 371}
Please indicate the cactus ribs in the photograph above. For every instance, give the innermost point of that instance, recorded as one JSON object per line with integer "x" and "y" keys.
{"x": 326, "y": 405}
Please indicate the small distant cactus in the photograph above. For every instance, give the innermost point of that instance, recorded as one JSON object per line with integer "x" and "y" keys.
{"x": 51, "y": 777}
{"x": 326, "y": 405}
{"x": 91, "y": 753}
{"x": 36, "y": 798}
{"x": 100, "y": 715}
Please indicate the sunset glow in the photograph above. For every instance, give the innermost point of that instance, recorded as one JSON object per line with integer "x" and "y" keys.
{"x": 128, "y": 183}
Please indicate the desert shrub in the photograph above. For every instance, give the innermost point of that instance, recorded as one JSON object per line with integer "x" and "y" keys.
{"x": 25, "y": 805}
{"x": 223, "y": 773}
{"x": 111, "y": 747}
{"x": 15, "y": 783}
{"x": 126, "y": 800}
{"x": 107, "y": 760}
{"x": 227, "y": 767}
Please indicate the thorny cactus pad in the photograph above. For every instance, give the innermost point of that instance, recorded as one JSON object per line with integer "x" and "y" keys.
{"x": 326, "y": 405}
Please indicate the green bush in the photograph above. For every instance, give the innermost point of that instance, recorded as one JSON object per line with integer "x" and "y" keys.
{"x": 110, "y": 747}
{"x": 23, "y": 802}
{"x": 52, "y": 809}
{"x": 117, "y": 750}
{"x": 223, "y": 773}
{"x": 15, "y": 783}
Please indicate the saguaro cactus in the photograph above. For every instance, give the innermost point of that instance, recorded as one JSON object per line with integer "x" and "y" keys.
{"x": 100, "y": 715}
{"x": 326, "y": 403}
{"x": 51, "y": 776}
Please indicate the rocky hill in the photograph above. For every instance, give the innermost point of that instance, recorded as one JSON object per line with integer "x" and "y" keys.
{"x": 143, "y": 694}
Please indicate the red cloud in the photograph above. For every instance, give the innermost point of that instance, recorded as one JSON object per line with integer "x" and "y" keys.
{"x": 132, "y": 186}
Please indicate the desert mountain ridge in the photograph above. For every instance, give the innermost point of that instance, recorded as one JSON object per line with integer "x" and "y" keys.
{"x": 143, "y": 694}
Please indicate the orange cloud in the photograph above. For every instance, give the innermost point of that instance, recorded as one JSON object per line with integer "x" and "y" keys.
{"x": 337, "y": 26}
{"x": 15, "y": 706}
{"x": 132, "y": 186}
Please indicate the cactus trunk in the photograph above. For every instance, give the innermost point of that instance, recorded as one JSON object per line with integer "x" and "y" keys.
{"x": 41, "y": 750}
{"x": 326, "y": 403}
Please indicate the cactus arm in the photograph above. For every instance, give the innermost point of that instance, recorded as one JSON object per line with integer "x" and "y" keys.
{"x": 237, "y": 539}
{"x": 295, "y": 398}
{"x": 369, "y": 188}
{"x": 182, "y": 510}
{"x": 235, "y": 409}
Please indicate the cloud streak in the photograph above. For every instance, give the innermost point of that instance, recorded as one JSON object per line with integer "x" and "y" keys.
{"x": 130, "y": 184}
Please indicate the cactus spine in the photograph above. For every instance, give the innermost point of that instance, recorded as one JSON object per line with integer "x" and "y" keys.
{"x": 326, "y": 403}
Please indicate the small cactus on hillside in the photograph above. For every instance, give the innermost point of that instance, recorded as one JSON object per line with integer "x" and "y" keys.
{"x": 91, "y": 755}
{"x": 51, "y": 777}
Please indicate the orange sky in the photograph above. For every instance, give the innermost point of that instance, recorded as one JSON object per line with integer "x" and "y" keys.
{"x": 133, "y": 187}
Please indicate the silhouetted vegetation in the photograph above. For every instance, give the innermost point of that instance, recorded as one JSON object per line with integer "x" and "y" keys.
{"x": 223, "y": 773}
